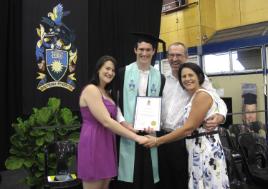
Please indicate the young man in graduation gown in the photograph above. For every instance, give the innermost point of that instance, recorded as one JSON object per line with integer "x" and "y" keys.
{"x": 138, "y": 166}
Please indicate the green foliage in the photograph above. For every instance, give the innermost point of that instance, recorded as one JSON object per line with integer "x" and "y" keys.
{"x": 43, "y": 126}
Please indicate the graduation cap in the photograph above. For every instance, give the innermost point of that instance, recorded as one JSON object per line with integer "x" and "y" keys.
{"x": 149, "y": 38}
{"x": 250, "y": 98}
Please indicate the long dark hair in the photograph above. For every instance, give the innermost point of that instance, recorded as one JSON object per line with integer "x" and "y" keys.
{"x": 196, "y": 69}
{"x": 95, "y": 80}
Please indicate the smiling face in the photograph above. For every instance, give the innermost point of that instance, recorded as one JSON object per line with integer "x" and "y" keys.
{"x": 106, "y": 73}
{"x": 190, "y": 80}
{"x": 176, "y": 57}
{"x": 144, "y": 54}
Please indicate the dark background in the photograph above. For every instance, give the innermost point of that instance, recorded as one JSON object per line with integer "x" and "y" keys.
{"x": 101, "y": 27}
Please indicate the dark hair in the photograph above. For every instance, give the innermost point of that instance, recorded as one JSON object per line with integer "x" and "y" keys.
{"x": 140, "y": 40}
{"x": 110, "y": 87}
{"x": 196, "y": 69}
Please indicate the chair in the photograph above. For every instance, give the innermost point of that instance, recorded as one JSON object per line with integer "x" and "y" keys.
{"x": 254, "y": 155}
{"x": 234, "y": 160}
{"x": 60, "y": 165}
{"x": 235, "y": 130}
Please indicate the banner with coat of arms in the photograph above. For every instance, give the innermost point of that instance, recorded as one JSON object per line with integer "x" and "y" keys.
{"x": 56, "y": 54}
{"x": 54, "y": 46}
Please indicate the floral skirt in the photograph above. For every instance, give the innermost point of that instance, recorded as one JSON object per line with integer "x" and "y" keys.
{"x": 207, "y": 164}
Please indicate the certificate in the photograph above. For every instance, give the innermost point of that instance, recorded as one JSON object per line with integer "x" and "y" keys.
{"x": 147, "y": 113}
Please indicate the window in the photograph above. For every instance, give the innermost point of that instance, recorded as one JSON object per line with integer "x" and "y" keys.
{"x": 194, "y": 59}
{"x": 266, "y": 57}
{"x": 235, "y": 61}
{"x": 217, "y": 63}
{"x": 246, "y": 59}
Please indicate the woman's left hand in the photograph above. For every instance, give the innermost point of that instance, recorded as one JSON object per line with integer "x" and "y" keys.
{"x": 151, "y": 142}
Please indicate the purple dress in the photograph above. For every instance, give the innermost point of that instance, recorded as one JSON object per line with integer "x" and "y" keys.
{"x": 97, "y": 158}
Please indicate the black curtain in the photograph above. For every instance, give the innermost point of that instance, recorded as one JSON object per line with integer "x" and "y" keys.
{"x": 10, "y": 74}
{"x": 112, "y": 21}
{"x": 101, "y": 27}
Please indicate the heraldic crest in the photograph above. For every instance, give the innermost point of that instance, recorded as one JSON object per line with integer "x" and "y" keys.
{"x": 56, "y": 54}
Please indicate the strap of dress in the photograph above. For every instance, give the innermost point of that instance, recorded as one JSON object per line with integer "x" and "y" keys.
{"x": 100, "y": 92}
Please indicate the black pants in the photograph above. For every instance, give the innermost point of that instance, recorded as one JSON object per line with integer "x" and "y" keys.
{"x": 173, "y": 164}
{"x": 143, "y": 173}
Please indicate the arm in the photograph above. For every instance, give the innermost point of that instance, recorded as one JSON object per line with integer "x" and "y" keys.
{"x": 219, "y": 118}
{"x": 92, "y": 98}
{"x": 120, "y": 118}
{"x": 195, "y": 119}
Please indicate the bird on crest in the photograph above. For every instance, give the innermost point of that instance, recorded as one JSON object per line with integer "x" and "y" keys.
{"x": 57, "y": 14}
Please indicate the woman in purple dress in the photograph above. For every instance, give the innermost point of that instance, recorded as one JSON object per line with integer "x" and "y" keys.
{"x": 97, "y": 158}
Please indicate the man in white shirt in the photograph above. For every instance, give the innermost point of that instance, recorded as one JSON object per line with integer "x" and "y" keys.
{"x": 173, "y": 157}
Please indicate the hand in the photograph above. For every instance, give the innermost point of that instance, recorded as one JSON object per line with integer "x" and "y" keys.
{"x": 151, "y": 142}
{"x": 129, "y": 126}
{"x": 213, "y": 121}
{"x": 141, "y": 139}
{"x": 149, "y": 130}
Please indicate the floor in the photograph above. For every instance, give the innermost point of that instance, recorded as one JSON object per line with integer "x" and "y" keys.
{"x": 12, "y": 180}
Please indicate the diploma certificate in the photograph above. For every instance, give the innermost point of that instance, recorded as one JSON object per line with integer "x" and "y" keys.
{"x": 147, "y": 113}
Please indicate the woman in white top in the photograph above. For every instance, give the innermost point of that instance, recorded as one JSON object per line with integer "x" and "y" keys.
{"x": 207, "y": 165}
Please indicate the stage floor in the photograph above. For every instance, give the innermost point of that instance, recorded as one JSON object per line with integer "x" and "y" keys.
{"x": 12, "y": 179}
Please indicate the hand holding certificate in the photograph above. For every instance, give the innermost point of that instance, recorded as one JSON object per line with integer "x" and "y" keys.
{"x": 147, "y": 113}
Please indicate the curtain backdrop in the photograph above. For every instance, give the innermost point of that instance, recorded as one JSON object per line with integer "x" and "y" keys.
{"x": 100, "y": 27}
{"x": 10, "y": 72}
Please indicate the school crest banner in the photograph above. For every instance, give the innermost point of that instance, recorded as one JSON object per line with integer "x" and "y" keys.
{"x": 55, "y": 51}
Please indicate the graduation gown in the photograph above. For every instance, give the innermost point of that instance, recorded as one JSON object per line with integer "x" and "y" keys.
{"x": 143, "y": 174}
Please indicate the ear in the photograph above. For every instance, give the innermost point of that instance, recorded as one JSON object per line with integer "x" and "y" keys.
{"x": 135, "y": 50}
{"x": 154, "y": 51}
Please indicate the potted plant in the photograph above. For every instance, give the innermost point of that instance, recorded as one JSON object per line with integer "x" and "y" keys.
{"x": 43, "y": 126}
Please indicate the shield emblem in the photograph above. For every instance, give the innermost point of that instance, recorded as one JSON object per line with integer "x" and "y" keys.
{"x": 57, "y": 63}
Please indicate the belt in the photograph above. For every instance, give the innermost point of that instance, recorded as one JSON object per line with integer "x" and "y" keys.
{"x": 196, "y": 134}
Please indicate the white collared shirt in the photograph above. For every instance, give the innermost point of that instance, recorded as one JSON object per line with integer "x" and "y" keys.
{"x": 143, "y": 82}
{"x": 142, "y": 92}
{"x": 175, "y": 99}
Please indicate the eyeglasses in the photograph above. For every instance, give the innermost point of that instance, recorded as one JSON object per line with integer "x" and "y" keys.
{"x": 175, "y": 55}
